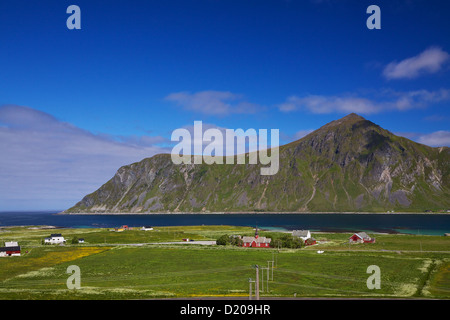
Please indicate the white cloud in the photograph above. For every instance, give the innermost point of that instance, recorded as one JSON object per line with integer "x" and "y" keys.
{"x": 327, "y": 104}
{"x": 436, "y": 139}
{"x": 387, "y": 101}
{"x": 45, "y": 162}
{"x": 288, "y": 138}
{"x": 213, "y": 102}
{"x": 302, "y": 133}
{"x": 427, "y": 62}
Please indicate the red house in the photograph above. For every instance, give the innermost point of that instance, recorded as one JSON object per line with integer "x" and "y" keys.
{"x": 310, "y": 242}
{"x": 361, "y": 237}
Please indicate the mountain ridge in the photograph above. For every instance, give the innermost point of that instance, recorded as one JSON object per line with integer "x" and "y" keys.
{"x": 347, "y": 165}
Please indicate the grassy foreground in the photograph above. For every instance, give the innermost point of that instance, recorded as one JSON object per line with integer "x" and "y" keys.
{"x": 138, "y": 264}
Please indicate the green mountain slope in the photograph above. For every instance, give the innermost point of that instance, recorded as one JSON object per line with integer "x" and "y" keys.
{"x": 348, "y": 165}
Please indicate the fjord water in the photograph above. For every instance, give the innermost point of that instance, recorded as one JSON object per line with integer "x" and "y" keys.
{"x": 424, "y": 224}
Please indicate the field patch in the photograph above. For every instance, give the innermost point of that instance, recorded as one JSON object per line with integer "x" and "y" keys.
{"x": 136, "y": 264}
{"x": 29, "y": 264}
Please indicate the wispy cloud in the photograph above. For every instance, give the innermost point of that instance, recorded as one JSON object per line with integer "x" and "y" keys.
{"x": 328, "y": 104}
{"x": 437, "y": 118}
{"x": 45, "y": 160}
{"x": 439, "y": 138}
{"x": 287, "y": 138}
{"x": 387, "y": 100}
{"x": 302, "y": 133}
{"x": 429, "y": 61}
{"x": 213, "y": 102}
{"x": 436, "y": 139}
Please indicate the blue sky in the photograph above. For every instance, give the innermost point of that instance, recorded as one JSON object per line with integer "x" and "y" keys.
{"x": 77, "y": 104}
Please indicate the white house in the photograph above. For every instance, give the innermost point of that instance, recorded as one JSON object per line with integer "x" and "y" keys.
{"x": 11, "y": 248}
{"x": 302, "y": 234}
{"x": 147, "y": 228}
{"x": 55, "y": 238}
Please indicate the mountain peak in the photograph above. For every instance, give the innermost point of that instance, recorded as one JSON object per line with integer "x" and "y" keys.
{"x": 353, "y": 117}
{"x": 349, "y": 119}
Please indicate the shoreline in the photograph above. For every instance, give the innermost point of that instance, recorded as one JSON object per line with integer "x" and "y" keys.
{"x": 247, "y": 212}
{"x": 265, "y": 229}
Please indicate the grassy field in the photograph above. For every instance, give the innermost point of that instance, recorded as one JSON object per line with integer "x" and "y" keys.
{"x": 113, "y": 267}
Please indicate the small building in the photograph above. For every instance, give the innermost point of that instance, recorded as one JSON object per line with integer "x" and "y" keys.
{"x": 10, "y": 249}
{"x": 147, "y": 228}
{"x": 256, "y": 241}
{"x": 302, "y": 234}
{"x": 55, "y": 238}
{"x": 310, "y": 241}
{"x": 81, "y": 240}
{"x": 361, "y": 237}
{"x": 259, "y": 242}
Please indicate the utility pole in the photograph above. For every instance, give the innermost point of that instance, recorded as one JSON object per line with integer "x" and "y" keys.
{"x": 262, "y": 279}
{"x": 267, "y": 280}
{"x": 269, "y": 267}
{"x": 250, "y": 281}
{"x": 257, "y": 283}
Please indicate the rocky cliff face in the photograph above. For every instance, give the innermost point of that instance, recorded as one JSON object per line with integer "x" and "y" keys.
{"x": 347, "y": 165}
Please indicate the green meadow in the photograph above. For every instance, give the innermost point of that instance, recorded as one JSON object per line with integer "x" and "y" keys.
{"x": 136, "y": 264}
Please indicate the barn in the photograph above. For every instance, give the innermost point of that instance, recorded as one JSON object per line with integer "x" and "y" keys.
{"x": 10, "y": 249}
{"x": 361, "y": 237}
{"x": 310, "y": 242}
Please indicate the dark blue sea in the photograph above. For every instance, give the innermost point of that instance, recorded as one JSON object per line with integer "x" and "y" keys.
{"x": 425, "y": 224}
